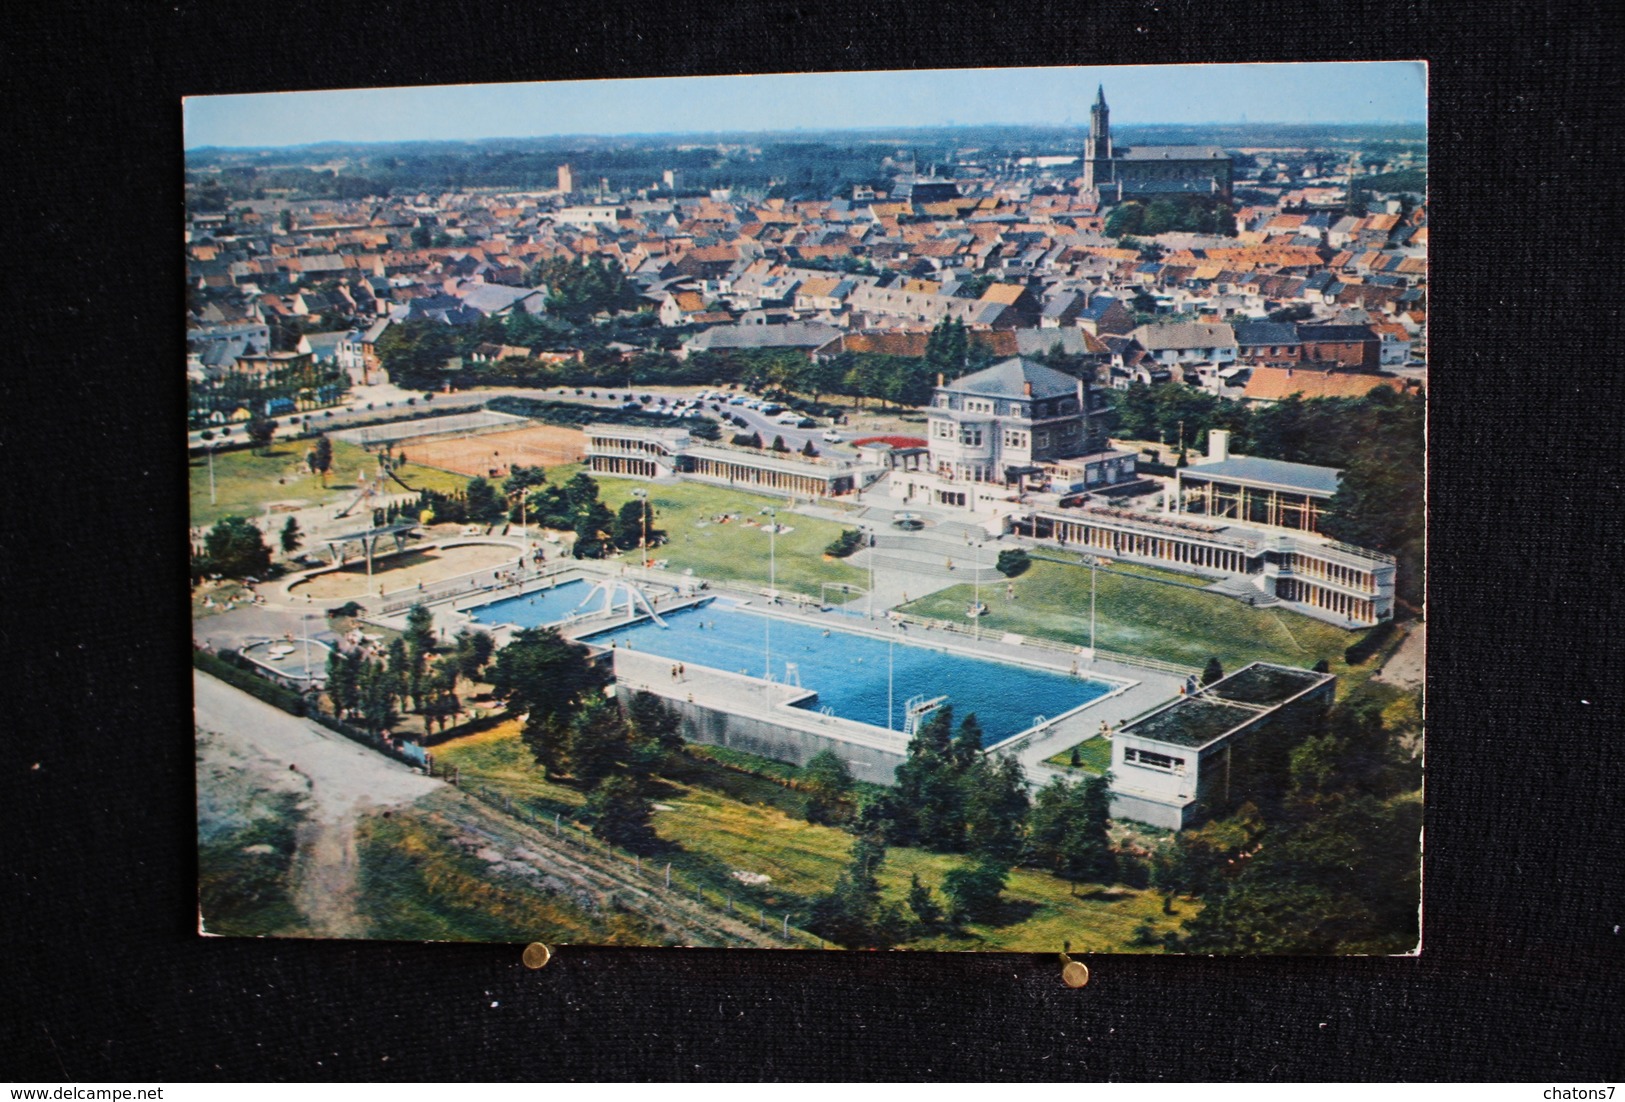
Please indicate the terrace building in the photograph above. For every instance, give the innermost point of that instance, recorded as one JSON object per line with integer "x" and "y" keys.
{"x": 1209, "y": 751}
{"x": 657, "y": 453}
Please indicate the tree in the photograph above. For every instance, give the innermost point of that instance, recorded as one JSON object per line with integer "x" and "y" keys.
{"x": 620, "y": 814}
{"x": 851, "y": 913}
{"x": 261, "y": 430}
{"x": 923, "y": 903}
{"x": 973, "y": 891}
{"x": 1068, "y": 831}
{"x": 995, "y": 802}
{"x": 343, "y": 680}
{"x": 598, "y": 741}
{"x": 547, "y": 678}
{"x": 655, "y": 721}
{"x": 1212, "y": 672}
{"x": 482, "y": 504}
{"x": 631, "y": 523}
{"x": 291, "y": 536}
{"x": 705, "y": 429}
{"x": 1012, "y": 561}
{"x": 321, "y": 457}
{"x": 779, "y": 445}
{"x": 236, "y": 548}
{"x": 419, "y": 635}
{"x": 472, "y": 652}
{"x": 828, "y": 784}
{"x": 808, "y": 450}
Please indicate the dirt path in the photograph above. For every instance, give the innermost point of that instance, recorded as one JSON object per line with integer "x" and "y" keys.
{"x": 1407, "y": 667}
{"x": 346, "y": 781}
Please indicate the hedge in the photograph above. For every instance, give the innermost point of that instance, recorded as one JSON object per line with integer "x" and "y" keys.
{"x": 219, "y": 665}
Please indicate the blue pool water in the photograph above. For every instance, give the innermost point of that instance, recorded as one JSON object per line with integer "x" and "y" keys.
{"x": 549, "y": 606}
{"x": 849, "y": 671}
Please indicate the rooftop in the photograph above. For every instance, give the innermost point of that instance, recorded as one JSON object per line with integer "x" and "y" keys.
{"x": 1268, "y": 472}
{"x": 1228, "y": 703}
{"x": 1010, "y": 379}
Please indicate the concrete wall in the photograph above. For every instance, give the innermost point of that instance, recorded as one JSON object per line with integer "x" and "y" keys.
{"x": 714, "y": 727}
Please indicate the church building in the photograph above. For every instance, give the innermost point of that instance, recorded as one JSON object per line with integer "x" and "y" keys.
{"x": 1115, "y": 173}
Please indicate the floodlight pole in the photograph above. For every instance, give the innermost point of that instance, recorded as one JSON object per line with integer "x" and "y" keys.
{"x": 1093, "y": 562}
{"x": 772, "y": 591}
{"x": 976, "y": 618}
{"x": 211, "y": 472}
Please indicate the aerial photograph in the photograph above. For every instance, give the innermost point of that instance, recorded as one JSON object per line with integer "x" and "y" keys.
{"x": 950, "y": 510}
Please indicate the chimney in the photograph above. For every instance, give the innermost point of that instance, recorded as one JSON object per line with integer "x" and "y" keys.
{"x": 1027, "y": 389}
{"x": 939, "y": 378}
{"x": 1218, "y": 444}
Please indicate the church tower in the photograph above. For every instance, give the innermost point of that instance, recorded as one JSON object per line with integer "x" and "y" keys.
{"x": 1097, "y": 147}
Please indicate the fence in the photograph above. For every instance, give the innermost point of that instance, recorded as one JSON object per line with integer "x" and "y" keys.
{"x": 663, "y": 883}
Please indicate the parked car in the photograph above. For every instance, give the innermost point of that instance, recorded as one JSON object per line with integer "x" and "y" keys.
{"x": 833, "y": 437}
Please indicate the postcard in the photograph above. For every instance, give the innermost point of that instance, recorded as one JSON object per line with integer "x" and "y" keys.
{"x": 936, "y": 510}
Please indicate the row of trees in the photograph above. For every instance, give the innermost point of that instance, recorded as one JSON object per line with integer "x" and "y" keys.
{"x": 1178, "y": 214}
{"x": 413, "y": 672}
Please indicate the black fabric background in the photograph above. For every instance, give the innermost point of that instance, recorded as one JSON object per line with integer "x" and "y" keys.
{"x": 104, "y": 977}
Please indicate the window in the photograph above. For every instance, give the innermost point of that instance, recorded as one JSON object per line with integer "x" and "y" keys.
{"x": 942, "y": 430}
{"x": 1041, "y": 440}
{"x": 971, "y": 436}
{"x": 1014, "y": 438}
{"x": 1152, "y": 760}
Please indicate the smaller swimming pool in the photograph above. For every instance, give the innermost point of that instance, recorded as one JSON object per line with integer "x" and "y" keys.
{"x": 536, "y": 609}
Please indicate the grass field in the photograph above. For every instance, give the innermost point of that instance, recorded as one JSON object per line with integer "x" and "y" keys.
{"x": 718, "y": 821}
{"x": 1137, "y": 615}
{"x": 735, "y": 552}
{"x": 1094, "y": 755}
{"x": 245, "y": 482}
{"x": 417, "y": 883}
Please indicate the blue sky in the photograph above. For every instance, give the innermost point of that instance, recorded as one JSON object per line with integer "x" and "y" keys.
{"x": 1353, "y": 92}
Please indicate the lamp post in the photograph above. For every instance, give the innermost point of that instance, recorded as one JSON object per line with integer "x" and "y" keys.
{"x": 891, "y": 640}
{"x": 976, "y": 606}
{"x": 643, "y": 545}
{"x": 211, "y": 445}
{"x": 1094, "y": 561}
{"x": 772, "y": 593}
{"x": 870, "y": 541}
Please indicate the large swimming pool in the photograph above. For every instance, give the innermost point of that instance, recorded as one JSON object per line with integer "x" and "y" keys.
{"x": 538, "y": 609}
{"x": 850, "y": 671}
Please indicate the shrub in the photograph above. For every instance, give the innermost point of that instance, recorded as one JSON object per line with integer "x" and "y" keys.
{"x": 1012, "y": 561}
{"x": 845, "y": 544}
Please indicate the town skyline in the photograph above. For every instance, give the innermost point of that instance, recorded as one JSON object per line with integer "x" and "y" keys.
{"x": 1295, "y": 94}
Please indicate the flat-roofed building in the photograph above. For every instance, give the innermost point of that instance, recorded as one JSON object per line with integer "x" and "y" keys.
{"x": 1215, "y": 747}
{"x": 636, "y": 452}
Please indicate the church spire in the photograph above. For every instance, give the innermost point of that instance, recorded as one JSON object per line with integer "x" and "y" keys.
{"x": 1100, "y": 95}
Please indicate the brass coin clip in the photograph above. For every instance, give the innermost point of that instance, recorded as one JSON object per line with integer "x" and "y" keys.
{"x": 536, "y": 955}
{"x": 1074, "y": 973}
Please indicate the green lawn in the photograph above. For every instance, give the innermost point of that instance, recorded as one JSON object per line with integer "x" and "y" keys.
{"x": 736, "y": 551}
{"x": 1094, "y": 755}
{"x": 419, "y": 882}
{"x": 244, "y": 482}
{"x": 1142, "y": 617}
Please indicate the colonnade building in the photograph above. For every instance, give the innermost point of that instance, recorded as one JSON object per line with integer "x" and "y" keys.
{"x": 635, "y": 452}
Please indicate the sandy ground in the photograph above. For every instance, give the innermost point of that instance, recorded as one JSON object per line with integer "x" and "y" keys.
{"x": 402, "y": 571}
{"x": 1408, "y": 666}
{"x": 344, "y": 781}
{"x": 537, "y": 446}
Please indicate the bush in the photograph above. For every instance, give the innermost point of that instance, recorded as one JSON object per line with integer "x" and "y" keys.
{"x": 1012, "y": 561}
{"x": 1367, "y": 645}
{"x": 845, "y": 544}
{"x": 348, "y": 608}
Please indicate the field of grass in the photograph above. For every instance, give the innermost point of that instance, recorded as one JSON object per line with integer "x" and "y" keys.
{"x": 245, "y": 870}
{"x": 716, "y": 821}
{"x": 1143, "y": 617}
{"x": 418, "y": 883}
{"x": 498, "y": 759}
{"x": 245, "y": 482}
{"x": 736, "y": 551}
{"x": 1094, "y": 755}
